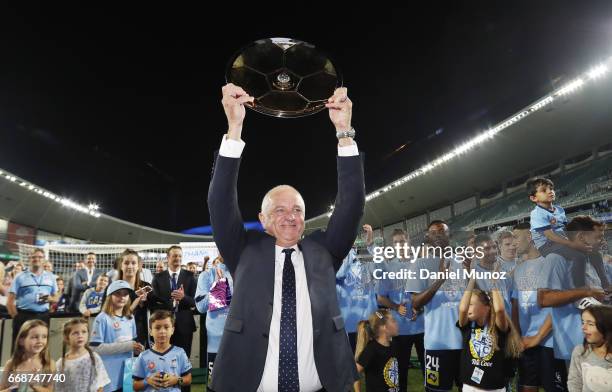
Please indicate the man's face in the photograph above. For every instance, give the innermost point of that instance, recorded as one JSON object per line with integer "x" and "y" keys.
{"x": 90, "y": 260}
{"x": 159, "y": 267}
{"x": 544, "y": 194}
{"x": 36, "y": 259}
{"x": 489, "y": 249}
{"x": 192, "y": 267}
{"x": 399, "y": 239}
{"x": 508, "y": 248}
{"x": 523, "y": 241}
{"x": 593, "y": 238}
{"x": 48, "y": 267}
{"x": 438, "y": 235}
{"x": 79, "y": 265}
{"x": 285, "y": 217}
{"x": 175, "y": 258}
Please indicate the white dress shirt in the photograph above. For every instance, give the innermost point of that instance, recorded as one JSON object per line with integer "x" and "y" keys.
{"x": 307, "y": 370}
{"x": 178, "y": 273}
{"x": 146, "y": 275}
{"x": 90, "y": 273}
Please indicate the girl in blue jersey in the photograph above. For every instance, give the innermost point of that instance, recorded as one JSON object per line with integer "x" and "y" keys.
{"x": 489, "y": 339}
{"x": 376, "y": 354}
{"x": 114, "y": 332}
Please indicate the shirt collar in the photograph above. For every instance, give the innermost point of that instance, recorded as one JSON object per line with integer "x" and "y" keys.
{"x": 164, "y": 353}
{"x": 554, "y": 208}
{"x": 178, "y": 272}
{"x": 280, "y": 256}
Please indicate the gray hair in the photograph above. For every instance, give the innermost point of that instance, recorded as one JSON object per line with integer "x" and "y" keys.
{"x": 267, "y": 199}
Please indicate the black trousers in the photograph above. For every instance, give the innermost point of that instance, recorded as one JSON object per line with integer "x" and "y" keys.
{"x": 23, "y": 316}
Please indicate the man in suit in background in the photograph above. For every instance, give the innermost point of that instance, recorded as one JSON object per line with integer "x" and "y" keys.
{"x": 284, "y": 331}
{"x": 174, "y": 289}
{"x": 84, "y": 279}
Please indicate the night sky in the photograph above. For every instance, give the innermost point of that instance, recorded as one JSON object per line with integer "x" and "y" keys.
{"x": 122, "y": 106}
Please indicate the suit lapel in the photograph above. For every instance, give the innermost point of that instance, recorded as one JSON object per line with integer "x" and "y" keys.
{"x": 310, "y": 254}
{"x": 268, "y": 250}
{"x": 165, "y": 281}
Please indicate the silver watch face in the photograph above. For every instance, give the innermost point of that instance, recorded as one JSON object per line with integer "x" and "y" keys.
{"x": 287, "y": 77}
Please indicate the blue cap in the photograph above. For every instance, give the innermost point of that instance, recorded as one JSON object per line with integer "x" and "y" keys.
{"x": 118, "y": 285}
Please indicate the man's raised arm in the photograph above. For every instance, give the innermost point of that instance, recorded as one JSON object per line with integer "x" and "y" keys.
{"x": 350, "y": 199}
{"x": 225, "y": 216}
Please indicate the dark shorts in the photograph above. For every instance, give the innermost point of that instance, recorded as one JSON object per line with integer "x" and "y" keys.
{"x": 538, "y": 367}
{"x": 442, "y": 369}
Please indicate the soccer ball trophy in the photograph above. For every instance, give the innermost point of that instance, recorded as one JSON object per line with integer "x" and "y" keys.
{"x": 288, "y": 78}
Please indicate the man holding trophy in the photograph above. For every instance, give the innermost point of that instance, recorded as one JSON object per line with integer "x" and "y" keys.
{"x": 284, "y": 331}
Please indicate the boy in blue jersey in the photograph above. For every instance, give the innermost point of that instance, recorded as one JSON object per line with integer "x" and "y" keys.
{"x": 91, "y": 301}
{"x": 393, "y": 295}
{"x": 537, "y": 364}
{"x": 440, "y": 299}
{"x": 164, "y": 365}
{"x": 548, "y": 232}
{"x": 560, "y": 294}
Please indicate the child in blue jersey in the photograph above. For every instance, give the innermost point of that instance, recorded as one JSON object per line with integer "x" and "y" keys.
{"x": 91, "y": 301}
{"x": 114, "y": 332}
{"x": 489, "y": 338}
{"x": 548, "y": 223}
{"x": 164, "y": 365}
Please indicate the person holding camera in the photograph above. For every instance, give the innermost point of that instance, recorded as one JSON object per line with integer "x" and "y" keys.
{"x": 31, "y": 293}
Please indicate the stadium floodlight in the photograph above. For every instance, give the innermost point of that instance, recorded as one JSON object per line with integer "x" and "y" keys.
{"x": 597, "y": 71}
{"x": 594, "y": 73}
{"x": 570, "y": 87}
{"x": 92, "y": 209}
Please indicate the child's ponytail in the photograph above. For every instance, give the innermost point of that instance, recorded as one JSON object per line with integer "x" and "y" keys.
{"x": 368, "y": 329}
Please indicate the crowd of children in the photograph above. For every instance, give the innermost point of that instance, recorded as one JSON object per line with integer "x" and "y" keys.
{"x": 95, "y": 360}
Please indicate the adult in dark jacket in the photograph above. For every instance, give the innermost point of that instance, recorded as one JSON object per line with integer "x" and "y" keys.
{"x": 284, "y": 330}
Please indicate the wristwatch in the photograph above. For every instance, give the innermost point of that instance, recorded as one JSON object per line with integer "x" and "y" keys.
{"x": 180, "y": 381}
{"x": 350, "y": 133}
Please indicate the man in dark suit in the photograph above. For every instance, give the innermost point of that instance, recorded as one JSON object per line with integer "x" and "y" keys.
{"x": 174, "y": 290}
{"x": 84, "y": 279}
{"x": 284, "y": 331}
